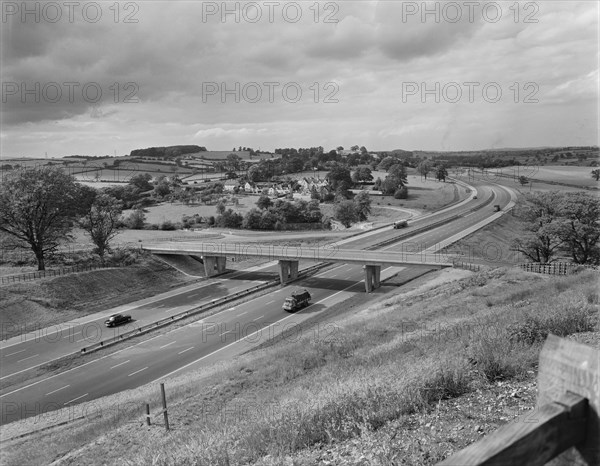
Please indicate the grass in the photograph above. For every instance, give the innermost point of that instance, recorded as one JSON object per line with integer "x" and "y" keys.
{"x": 353, "y": 394}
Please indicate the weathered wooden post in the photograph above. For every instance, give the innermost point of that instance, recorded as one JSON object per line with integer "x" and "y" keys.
{"x": 164, "y": 405}
{"x": 566, "y": 415}
{"x": 147, "y": 414}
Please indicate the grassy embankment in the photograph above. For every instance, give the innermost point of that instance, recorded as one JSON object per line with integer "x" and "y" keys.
{"x": 407, "y": 380}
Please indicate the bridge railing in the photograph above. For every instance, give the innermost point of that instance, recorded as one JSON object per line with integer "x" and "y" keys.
{"x": 566, "y": 416}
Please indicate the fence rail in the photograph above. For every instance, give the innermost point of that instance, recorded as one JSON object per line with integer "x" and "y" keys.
{"x": 555, "y": 268}
{"x": 24, "y": 277}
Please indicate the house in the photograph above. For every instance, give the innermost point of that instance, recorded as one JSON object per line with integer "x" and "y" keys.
{"x": 307, "y": 184}
{"x": 230, "y": 185}
{"x": 278, "y": 190}
{"x": 251, "y": 187}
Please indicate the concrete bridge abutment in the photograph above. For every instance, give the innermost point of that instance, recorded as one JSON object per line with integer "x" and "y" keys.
{"x": 214, "y": 265}
{"x": 372, "y": 277}
{"x": 288, "y": 270}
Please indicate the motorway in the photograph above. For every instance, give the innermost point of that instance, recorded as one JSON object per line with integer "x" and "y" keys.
{"x": 220, "y": 336}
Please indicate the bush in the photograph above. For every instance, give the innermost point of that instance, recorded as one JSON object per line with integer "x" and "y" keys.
{"x": 167, "y": 225}
{"x": 401, "y": 193}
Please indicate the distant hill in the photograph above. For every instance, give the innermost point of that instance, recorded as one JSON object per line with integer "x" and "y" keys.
{"x": 169, "y": 152}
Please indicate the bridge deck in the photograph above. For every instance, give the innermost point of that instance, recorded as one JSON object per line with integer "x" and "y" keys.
{"x": 294, "y": 253}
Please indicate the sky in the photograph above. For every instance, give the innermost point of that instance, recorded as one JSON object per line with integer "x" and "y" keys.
{"x": 105, "y": 78}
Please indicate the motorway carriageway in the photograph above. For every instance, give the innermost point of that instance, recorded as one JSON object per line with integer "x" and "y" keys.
{"x": 214, "y": 338}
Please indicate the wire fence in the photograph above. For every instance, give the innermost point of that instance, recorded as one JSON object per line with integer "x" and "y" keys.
{"x": 24, "y": 277}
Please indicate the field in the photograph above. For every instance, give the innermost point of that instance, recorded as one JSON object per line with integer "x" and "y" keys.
{"x": 575, "y": 176}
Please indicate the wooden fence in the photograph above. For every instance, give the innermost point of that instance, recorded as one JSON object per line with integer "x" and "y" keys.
{"x": 24, "y": 277}
{"x": 555, "y": 268}
{"x": 566, "y": 416}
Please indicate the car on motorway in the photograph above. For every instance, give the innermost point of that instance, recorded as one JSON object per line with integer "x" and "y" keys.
{"x": 117, "y": 319}
{"x": 474, "y": 197}
{"x": 497, "y": 208}
{"x": 400, "y": 224}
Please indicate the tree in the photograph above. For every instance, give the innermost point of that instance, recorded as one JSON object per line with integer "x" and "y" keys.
{"x": 441, "y": 173}
{"x": 233, "y": 162}
{"x": 580, "y": 232}
{"x": 136, "y": 220}
{"x": 363, "y": 150}
{"x": 340, "y": 180}
{"x": 142, "y": 181}
{"x": 38, "y": 207}
{"x": 541, "y": 243}
{"x": 596, "y": 174}
{"x": 220, "y": 208}
{"x": 363, "y": 205}
{"x": 424, "y": 168}
{"x": 523, "y": 180}
{"x": 101, "y": 220}
{"x": 362, "y": 174}
{"x": 386, "y": 163}
{"x": 354, "y": 148}
{"x": 346, "y": 213}
{"x": 264, "y": 202}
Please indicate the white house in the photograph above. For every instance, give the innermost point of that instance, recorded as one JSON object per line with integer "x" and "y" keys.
{"x": 230, "y": 185}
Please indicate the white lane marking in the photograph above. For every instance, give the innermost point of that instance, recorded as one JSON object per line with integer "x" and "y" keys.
{"x": 230, "y": 309}
{"x": 270, "y": 302}
{"x": 209, "y": 326}
{"x": 241, "y": 314}
{"x": 25, "y": 359}
{"x": 57, "y": 390}
{"x": 162, "y": 305}
{"x": 256, "y": 318}
{"x": 251, "y": 335}
{"x": 168, "y": 344}
{"x": 69, "y": 370}
{"x": 75, "y": 399}
{"x": 16, "y": 352}
{"x": 120, "y": 364}
{"x": 181, "y": 352}
{"x": 136, "y": 372}
{"x": 468, "y": 215}
{"x": 331, "y": 276}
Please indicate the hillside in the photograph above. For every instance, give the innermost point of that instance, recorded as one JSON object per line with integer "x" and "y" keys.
{"x": 408, "y": 379}
{"x": 26, "y": 306}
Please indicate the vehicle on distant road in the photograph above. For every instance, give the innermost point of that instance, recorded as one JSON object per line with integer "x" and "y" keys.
{"x": 497, "y": 208}
{"x": 400, "y": 224}
{"x": 298, "y": 300}
{"x": 117, "y": 319}
{"x": 474, "y": 197}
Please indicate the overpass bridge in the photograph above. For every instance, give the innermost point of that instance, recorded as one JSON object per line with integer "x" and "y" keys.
{"x": 214, "y": 256}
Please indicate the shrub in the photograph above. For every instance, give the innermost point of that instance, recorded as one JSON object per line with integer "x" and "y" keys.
{"x": 168, "y": 225}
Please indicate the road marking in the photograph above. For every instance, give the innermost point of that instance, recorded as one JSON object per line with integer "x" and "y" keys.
{"x": 331, "y": 276}
{"x": 270, "y": 302}
{"x": 57, "y": 390}
{"x": 250, "y": 335}
{"x": 164, "y": 346}
{"x": 162, "y": 305}
{"x": 245, "y": 312}
{"x": 230, "y": 309}
{"x": 209, "y": 326}
{"x": 75, "y": 399}
{"x": 259, "y": 317}
{"x": 181, "y": 352}
{"x": 120, "y": 364}
{"x": 16, "y": 352}
{"x": 25, "y": 359}
{"x": 136, "y": 372}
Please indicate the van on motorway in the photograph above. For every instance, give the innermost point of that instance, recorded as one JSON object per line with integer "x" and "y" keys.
{"x": 400, "y": 224}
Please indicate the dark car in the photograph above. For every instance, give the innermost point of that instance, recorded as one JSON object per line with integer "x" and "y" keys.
{"x": 400, "y": 224}
{"x": 117, "y": 319}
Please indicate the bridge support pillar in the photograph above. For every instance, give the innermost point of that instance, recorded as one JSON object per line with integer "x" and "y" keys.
{"x": 288, "y": 270}
{"x": 372, "y": 277}
{"x": 214, "y": 265}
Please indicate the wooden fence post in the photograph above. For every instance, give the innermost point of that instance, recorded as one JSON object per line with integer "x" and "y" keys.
{"x": 147, "y": 414}
{"x": 164, "y": 405}
{"x": 566, "y": 415}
